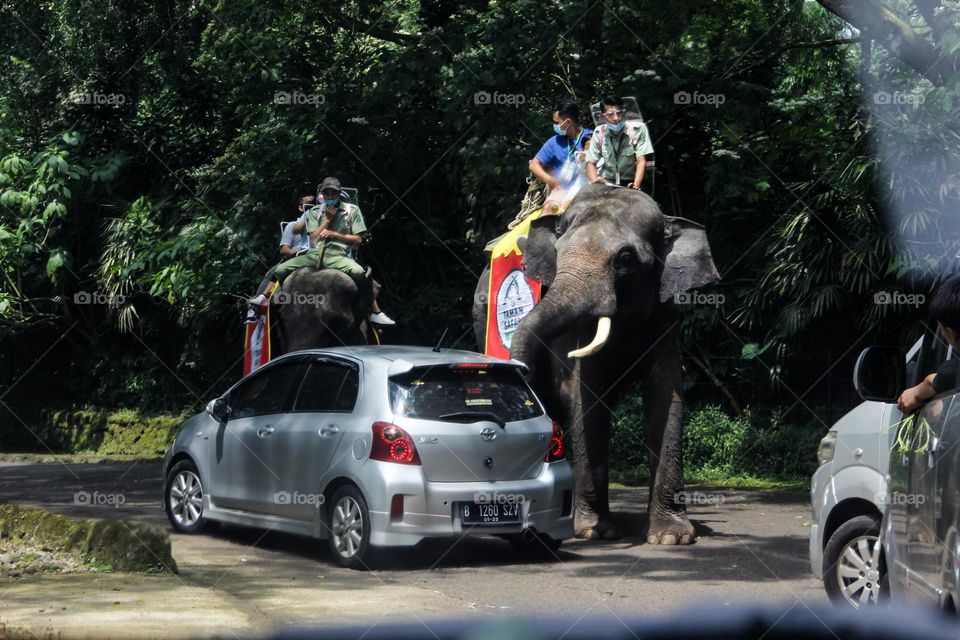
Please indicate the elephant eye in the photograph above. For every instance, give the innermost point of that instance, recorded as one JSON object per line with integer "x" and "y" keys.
{"x": 626, "y": 258}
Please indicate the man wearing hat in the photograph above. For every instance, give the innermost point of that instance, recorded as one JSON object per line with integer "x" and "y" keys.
{"x": 335, "y": 228}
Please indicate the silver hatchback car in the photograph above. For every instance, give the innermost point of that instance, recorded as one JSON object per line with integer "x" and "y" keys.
{"x": 376, "y": 447}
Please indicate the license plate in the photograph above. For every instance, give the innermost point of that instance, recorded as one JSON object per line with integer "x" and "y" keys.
{"x": 473, "y": 513}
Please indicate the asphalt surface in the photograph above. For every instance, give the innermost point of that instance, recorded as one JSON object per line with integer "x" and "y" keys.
{"x": 752, "y": 547}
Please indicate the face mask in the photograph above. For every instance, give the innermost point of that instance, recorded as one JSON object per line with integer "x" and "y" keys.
{"x": 331, "y": 201}
{"x": 616, "y": 128}
{"x": 557, "y": 130}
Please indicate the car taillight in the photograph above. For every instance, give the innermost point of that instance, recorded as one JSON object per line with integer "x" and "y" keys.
{"x": 393, "y": 444}
{"x": 555, "y": 452}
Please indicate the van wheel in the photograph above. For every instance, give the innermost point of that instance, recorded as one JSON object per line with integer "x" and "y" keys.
{"x": 854, "y": 569}
{"x": 183, "y": 499}
{"x": 349, "y": 524}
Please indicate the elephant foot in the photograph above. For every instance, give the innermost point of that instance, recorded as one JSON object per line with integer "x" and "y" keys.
{"x": 671, "y": 530}
{"x": 592, "y": 527}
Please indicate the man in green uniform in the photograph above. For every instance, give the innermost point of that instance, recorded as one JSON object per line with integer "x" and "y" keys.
{"x": 335, "y": 229}
{"x": 623, "y": 146}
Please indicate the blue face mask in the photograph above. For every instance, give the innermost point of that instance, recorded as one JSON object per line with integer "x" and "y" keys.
{"x": 557, "y": 130}
{"x": 330, "y": 202}
{"x": 616, "y": 128}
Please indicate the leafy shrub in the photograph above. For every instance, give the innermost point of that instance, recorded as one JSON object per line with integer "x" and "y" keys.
{"x": 759, "y": 444}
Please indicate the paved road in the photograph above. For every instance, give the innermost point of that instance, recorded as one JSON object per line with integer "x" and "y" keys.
{"x": 752, "y": 547}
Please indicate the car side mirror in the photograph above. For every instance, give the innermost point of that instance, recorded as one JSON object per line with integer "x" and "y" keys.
{"x": 219, "y": 409}
{"x": 880, "y": 374}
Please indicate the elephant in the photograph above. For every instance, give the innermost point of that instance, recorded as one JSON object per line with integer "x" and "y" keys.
{"x": 320, "y": 308}
{"x": 611, "y": 267}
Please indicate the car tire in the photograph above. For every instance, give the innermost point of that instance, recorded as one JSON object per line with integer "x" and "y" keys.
{"x": 348, "y": 520}
{"x": 183, "y": 499}
{"x": 850, "y": 552}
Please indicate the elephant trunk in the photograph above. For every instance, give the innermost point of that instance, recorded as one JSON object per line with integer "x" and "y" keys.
{"x": 570, "y": 300}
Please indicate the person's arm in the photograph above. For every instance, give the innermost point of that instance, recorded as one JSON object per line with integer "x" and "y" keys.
{"x": 318, "y": 233}
{"x": 593, "y": 157}
{"x": 286, "y": 251}
{"x": 913, "y": 397}
{"x": 592, "y": 174}
{"x": 540, "y": 173}
{"x": 644, "y": 148}
{"x": 299, "y": 225}
{"x": 356, "y": 227}
{"x": 351, "y": 238}
{"x": 638, "y": 174}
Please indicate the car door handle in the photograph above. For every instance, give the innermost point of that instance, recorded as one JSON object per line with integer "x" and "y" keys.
{"x": 328, "y": 430}
{"x": 264, "y": 432}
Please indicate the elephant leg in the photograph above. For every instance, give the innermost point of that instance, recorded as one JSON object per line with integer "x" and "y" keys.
{"x": 589, "y": 435}
{"x": 663, "y": 418}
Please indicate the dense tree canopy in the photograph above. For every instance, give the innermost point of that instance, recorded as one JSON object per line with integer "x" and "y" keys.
{"x": 150, "y": 149}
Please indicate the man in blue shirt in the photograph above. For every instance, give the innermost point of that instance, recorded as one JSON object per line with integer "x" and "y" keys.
{"x": 555, "y": 164}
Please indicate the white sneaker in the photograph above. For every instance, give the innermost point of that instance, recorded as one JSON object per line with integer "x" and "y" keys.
{"x": 381, "y": 318}
{"x": 258, "y": 300}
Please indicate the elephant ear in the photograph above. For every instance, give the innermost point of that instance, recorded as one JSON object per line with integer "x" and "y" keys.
{"x": 687, "y": 261}
{"x": 540, "y": 250}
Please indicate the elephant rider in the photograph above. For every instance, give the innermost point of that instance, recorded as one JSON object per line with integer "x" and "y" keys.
{"x": 334, "y": 228}
{"x": 291, "y": 244}
{"x": 555, "y": 163}
{"x": 621, "y": 145}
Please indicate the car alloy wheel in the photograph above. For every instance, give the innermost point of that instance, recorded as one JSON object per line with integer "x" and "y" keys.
{"x": 858, "y": 571}
{"x": 854, "y": 568}
{"x": 347, "y": 527}
{"x": 183, "y": 499}
{"x": 186, "y": 498}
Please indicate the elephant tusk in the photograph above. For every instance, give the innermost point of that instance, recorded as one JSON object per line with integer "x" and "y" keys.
{"x": 603, "y": 332}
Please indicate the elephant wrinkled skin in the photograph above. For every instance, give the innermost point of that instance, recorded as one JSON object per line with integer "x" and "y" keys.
{"x": 319, "y": 308}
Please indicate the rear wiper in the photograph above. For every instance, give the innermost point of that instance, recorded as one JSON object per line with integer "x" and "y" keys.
{"x": 479, "y": 415}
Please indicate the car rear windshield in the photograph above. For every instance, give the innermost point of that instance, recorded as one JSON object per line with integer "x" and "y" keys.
{"x": 463, "y": 394}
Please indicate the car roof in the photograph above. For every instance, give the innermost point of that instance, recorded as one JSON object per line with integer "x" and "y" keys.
{"x": 416, "y": 356}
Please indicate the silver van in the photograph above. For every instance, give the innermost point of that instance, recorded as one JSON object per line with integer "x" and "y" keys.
{"x": 849, "y": 490}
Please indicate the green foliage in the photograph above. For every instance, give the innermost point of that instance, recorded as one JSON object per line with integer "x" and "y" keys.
{"x": 757, "y": 445}
{"x": 148, "y": 151}
{"x": 124, "y": 432}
